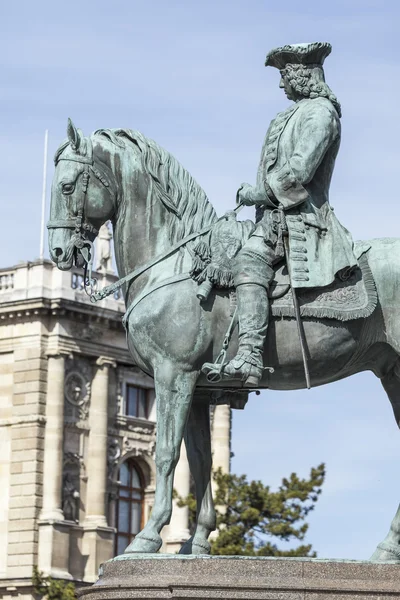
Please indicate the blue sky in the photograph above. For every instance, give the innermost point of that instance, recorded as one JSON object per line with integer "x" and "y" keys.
{"x": 191, "y": 75}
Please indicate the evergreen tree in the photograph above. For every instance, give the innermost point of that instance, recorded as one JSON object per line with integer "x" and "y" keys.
{"x": 249, "y": 514}
{"x": 52, "y": 589}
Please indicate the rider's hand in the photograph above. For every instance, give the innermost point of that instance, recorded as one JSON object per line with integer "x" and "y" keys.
{"x": 243, "y": 195}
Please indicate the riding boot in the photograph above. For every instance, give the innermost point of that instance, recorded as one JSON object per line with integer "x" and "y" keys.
{"x": 253, "y": 311}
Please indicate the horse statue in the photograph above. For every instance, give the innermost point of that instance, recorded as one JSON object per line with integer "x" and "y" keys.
{"x": 158, "y": 212}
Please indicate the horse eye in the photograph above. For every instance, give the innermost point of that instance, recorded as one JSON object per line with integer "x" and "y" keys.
{"x": 68, "y": 188}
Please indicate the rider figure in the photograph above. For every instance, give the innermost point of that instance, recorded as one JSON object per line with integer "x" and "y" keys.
{"x": 294, "y": 175}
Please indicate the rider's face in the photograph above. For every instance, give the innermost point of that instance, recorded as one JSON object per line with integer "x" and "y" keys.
{"x": 285, "y": 85}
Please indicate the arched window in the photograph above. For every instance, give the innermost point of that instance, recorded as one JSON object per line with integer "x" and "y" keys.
{"x": 129, "y": 505}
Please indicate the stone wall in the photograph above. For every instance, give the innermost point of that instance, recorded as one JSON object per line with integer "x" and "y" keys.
{"x": 64, "y": 367}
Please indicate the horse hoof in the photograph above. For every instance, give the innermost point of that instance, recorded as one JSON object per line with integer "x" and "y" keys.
{"x": 386, "y": 553}
{"x": 144, "y": 544}
{"x": 203, "y": 547}
{"x": 195, "y": 546}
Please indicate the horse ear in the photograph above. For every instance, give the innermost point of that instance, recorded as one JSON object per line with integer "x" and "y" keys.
{"x": 73, "y": 135}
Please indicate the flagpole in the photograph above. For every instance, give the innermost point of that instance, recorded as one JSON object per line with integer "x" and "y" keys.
{"x": 46, "y": 137}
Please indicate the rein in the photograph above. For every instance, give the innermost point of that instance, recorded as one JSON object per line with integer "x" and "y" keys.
{"x": 110, "y": 289}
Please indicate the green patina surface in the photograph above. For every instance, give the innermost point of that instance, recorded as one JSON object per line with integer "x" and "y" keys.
{"x": 154, "y": 204}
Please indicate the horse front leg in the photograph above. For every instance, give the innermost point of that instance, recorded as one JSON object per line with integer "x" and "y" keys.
{"x": 174, "y": 392}
{"x": 198, "y": 446}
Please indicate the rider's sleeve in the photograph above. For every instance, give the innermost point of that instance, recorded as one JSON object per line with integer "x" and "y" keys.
{"x": 317, "y": 132}
{"x": 257, "y": 194}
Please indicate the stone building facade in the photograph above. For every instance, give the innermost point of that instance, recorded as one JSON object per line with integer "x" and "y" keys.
{"x": 77, "y": 431}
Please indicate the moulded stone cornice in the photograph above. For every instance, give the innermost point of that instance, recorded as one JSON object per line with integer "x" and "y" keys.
{"x": 87, "y": 308}
{"x": 133, "y": 425}
{"x": 61, "y": 352}
{"x": 23, "y": 420}
{"x": 90, "y": 349}
{"x": 87, "y": 526}
{"x": 24, "y": 308}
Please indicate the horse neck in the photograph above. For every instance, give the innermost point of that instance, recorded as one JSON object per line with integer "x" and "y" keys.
{"x": 139, "y": 231}
{"x": 142, "y": 226}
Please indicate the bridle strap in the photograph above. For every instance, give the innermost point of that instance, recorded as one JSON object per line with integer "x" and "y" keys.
{"x": 110, "y": 289}
{"x": 78, "y": 223}
{"x": 174, "y": 279}
{"x": 71, "y": 224}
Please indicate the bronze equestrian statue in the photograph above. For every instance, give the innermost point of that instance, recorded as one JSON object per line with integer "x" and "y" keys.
{"x": 348, "y": 297}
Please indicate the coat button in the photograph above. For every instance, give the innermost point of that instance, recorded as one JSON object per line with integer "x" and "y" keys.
{"x": 306, "y": 226}
{"x": 299, "y": 218}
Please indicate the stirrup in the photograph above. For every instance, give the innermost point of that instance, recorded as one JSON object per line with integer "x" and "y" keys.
{"x": 215, "y": 372}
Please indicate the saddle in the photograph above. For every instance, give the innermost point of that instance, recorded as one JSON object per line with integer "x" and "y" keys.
{"x": 349, "y": 298}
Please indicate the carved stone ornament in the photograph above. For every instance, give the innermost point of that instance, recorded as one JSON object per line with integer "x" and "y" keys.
{"x": 138, "y": 450}
{"x": 73, "y": 458}
{"x": 86, "y": 331}
{"x": 73, "y": 472}
{"x": 104, "y": 249}
{"x": 114, "y": 451}
{"x": 113, "y": 455}
{"x": 77, "y": 393}
{"x": 71, "y": 497}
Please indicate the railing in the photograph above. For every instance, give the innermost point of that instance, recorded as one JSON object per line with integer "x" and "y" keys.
{"x": 6, "y": 281}
{"x": 77, "y": 283}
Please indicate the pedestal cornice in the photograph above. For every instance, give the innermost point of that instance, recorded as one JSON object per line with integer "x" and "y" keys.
{"x": 242, "y": 577}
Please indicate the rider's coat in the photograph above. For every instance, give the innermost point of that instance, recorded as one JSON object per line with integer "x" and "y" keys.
{"x": 297, "y": 162}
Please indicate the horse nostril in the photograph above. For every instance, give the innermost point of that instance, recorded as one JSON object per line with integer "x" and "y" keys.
{"x": 58, "y": 252}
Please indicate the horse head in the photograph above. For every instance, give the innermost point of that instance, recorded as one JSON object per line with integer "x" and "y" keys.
{"x": 83, "y": 197}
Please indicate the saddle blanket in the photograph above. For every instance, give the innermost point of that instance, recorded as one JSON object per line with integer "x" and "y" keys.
{"x": 354, "y": 298}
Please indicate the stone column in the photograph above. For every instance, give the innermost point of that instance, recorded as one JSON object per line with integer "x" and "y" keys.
{"x": 97, "y": 450}
{"x": 221, "y": 447}
{"x": 221, "y": 438}
{"x": 53, "y": 439}
{"x": 178, "y": 529}
{"x": 53, "y": 551}
{"x": 98, "y": 537}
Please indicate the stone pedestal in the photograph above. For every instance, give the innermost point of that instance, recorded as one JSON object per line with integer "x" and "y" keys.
{"x": 250, "y": 578}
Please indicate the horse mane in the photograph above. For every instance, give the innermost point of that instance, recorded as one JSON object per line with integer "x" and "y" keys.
{"x": 186, "y": 202}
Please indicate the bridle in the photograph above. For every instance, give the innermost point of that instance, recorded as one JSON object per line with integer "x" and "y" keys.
{"x": 79, "y": 223}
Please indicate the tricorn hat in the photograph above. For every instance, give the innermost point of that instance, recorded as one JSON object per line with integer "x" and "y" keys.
{"x": 298, "y": 54}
